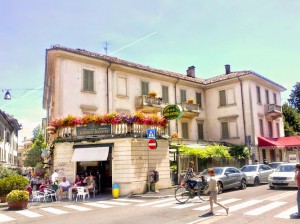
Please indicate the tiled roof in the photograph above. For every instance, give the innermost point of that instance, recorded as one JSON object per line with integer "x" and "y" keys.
{"x": 160, "y": 71}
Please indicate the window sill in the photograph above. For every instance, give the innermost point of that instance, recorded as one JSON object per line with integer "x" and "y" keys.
{"x": 87, "y": 91}
{"x": 123, "y": 96}
{"x": 227, "y": 105}
{"x": 229, "y": 138}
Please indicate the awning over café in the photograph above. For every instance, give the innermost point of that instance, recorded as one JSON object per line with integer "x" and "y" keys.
{"x": 90, "y": 154}
{"x": 282, "y": 142}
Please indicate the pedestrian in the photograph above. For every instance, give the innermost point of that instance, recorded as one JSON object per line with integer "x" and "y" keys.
{"x": 256, "y": 161}
{"x": 54, "y": 176}
{"x": 297, "y": 178}
{"x": 213, "y": 189}
{"x": 190, "y": 176}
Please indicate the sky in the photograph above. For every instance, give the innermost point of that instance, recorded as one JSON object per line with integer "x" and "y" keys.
{"x": 262, "y": 36}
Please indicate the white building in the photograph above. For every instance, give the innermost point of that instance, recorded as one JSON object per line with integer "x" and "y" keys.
{"x": 234, "y": 108}
{"x": 9, "y": 128}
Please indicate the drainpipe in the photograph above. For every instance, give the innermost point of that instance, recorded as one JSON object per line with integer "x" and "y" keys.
{"x": 107, "y": 91}
{"x": 244, "y": 122}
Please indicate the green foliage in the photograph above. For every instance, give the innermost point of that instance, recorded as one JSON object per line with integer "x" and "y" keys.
{"x": 173, "y": 168}
{"x": 209, "y": 151}
{"x": 291, "y": 120}
{"x": 4, "y": 172}
{"x": 14, "y": 182}
{"x": 294, "y": 99}
{"x": 33, "y": 155}
{"x": 18, "y": 195}
{"x": 239, "y": 152}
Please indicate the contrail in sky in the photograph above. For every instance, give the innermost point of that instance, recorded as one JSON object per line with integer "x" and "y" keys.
{"x": 133, "y": 43}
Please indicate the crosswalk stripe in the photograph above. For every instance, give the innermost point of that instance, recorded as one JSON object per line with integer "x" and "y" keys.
{"x": 242, "y": 205}
{"x": 156, "y": 202}
{"x": 29, "y": 214}
{"x": 95, "y": 204}
{"x": 5, "y": 218}
{"x": 113, "y": 203}
{"x": 128, "y": 200}
{"x": 286, "y": 214}
{"x": 263, "y": 209}
{"x": 182, "y": 206}
{"x": 78, "y": 208}
{"x": 167, "y": 204}
{"x": 54, "y": 211}
{"x": 228, "y": 201}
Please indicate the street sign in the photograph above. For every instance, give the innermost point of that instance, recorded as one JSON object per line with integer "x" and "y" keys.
{"x": 151, "y": 133}
{"x": 152, "y": 144}
{"x": 172, "y": 111}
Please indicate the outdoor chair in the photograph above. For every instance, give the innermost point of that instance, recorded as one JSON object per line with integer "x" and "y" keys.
{"x": 38, "y": 196}
{"x": 50, "y": 194}
{"x": 82, "y": 192}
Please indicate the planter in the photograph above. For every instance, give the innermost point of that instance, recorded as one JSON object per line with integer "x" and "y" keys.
{"x": 2, "y": 199}
{"x": 17, "y": 205}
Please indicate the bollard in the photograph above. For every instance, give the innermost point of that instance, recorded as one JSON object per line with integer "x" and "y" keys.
{"x": 116, "y": 191}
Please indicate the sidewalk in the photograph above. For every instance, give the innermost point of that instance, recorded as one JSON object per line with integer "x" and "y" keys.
{"x": 163, "y": 193}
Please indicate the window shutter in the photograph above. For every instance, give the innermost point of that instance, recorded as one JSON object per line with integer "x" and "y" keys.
{"x": 185, "y": 133}
{"x": 261, "y": 126}
{"x": 198, "y": 99}
{"x": 200, "y": 131}
{"x": 165, "y": 94}
{"x": 145, "y": 88}
{"x": 88, "y": 80}
{"x": 183, "y": 95}
{"x": 222, "y": 96}
{"x": 267, "y": 97}
{"x": 225, "y": 132}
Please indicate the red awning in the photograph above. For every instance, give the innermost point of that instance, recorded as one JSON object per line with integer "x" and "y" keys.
{"x": 279, "y": 142}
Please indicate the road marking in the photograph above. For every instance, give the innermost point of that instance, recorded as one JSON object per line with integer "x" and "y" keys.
{"x": 228, "y": 201}
{"x": 29, "y": 214}
{"x": 187, "y": 205}
{"x": 286, "y": 214}
{"x": 167, "y": 204}
{"x": 54, "y": 211}
{"x": 129, "y": 200}
{"x": 156, "y": 202}
{"x": 265, "y": 208}
{"x": 242, "y": 205}
{"x": 5, "y": 218}
{"x": 95, "y": 204}
{"x": 113, "y": 203}
{"x": 78, "y": 208}
{"x": 200, "y": 220}
{"x": 280, "y": 196}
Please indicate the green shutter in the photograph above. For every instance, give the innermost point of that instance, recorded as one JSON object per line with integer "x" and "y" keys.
{"x": 183, "y": 96}
{"x": 225, "y": 131}
{"x": 222, "y": 98}
{"x": 200, "y": 131}
{"x": 145, "y": 88}
{"x": 88, "y": 80}
{"x": 198, "y": 99}
{"x": 185, "y": 133}
{"x": 258, "y": 94}
{"x": 165, "y": 94}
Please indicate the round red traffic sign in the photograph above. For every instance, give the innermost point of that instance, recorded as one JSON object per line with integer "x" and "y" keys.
{"x": 152, "y": 144}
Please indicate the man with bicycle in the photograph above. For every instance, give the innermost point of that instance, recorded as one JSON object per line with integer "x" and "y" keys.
{"x": 190, "y": 174}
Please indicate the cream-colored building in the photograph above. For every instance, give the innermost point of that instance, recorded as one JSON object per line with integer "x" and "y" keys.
{"x": 233, "y": 108}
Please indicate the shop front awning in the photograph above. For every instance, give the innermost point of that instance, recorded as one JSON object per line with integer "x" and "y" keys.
{"x": 282, "y": 142}
{"x": 90, "y": 154}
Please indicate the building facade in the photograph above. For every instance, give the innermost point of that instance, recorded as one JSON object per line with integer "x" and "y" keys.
{"x": 9, "y": 128}
{"x": 233, "y": 108}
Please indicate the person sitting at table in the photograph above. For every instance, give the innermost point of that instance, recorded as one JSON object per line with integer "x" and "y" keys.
{"x": 43, "y": 186}
{"x": 78, "y": 181}
{"x": 63, "y": 187}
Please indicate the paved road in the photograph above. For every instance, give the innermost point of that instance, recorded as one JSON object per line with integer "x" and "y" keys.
{"x": 253, "y": 205}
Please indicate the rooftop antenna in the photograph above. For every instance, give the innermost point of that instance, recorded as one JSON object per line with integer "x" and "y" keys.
{"x": 105, "y": 47}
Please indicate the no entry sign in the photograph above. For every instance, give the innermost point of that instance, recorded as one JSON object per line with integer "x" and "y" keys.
{"x": 152, "y": 144}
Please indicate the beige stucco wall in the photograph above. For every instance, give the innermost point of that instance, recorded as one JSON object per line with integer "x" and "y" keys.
{"x": 129, "y": 164}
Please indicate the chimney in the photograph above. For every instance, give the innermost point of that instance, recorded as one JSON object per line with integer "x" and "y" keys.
{"x": 191, "y": 71}
{"x": 227, "y": 69}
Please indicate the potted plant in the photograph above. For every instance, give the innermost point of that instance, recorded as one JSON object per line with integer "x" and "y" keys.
{"x": 17, "y": 199}
{"x": 190, "y": 100}
{"x": 152, "y": 94}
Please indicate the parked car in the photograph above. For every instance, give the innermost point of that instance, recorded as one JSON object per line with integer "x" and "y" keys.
{"x": 228, "y": 178}
{"x": 257, "y": 173}
{"x": 274, "y": 165}
{"x": 283, "y": 176}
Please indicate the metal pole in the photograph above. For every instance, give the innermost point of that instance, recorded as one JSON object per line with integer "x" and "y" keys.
{"x": 148, "y": 170}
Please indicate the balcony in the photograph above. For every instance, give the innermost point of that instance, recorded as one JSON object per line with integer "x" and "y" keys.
{"x": 148, "y": 104}
{"x": 190, "y": 110}
{"x": 273, "y": 111}
{"x": 107, "y": 131}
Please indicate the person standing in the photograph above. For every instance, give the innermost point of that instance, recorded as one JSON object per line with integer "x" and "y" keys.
{"x": 213, "y": 189}
{"x": 297, "y": 178}
{"x": 54, "y": 176}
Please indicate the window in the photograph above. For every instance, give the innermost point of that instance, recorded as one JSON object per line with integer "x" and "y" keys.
{"x": 184, "y": 130}
{"x": 278, "y": 130}
{"x": 1, "y": 132}
{"x": 183, "y": 95}
{"x": 165, "y": 94}
{"x": 229, "y": 129}
{"x": 267, "y": 97}
{"x": 270, "y": 129}
{"x": 7, "y": 137}
{"x": 145, "y": 88}
{"x": 122, "y": 86}
{"x": 275, "y": 98}
{"x": 88, "y": 80}
{"x": 225, "y": 130}
{"x": 258, "y": 94}
{"x": 200, "y": 131}
{"x": 226, "y": 97}
{"x": 261, "y": 127}
{"x": 198, "y": 99}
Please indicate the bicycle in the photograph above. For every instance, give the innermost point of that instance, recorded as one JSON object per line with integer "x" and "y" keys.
{"x": 183, "y": 193}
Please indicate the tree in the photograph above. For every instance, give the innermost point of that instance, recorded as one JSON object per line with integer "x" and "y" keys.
{"x": 294, "y": 99}
{"x": 291, "y": 120}
{"x": 33, "y": 155}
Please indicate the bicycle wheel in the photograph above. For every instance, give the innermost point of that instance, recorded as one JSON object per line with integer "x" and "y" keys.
{"x": 182, "y": 195}
{"x": 202, "y": 196}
